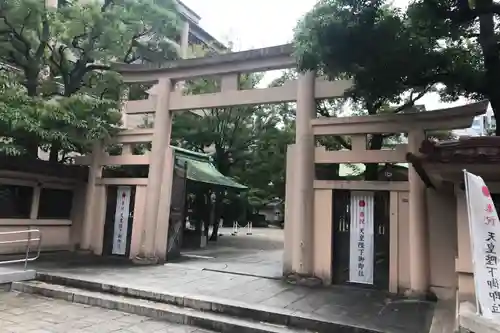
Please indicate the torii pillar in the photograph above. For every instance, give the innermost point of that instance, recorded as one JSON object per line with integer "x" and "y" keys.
{"x": 303, "y": 195}
{"x": 161, "y": 92}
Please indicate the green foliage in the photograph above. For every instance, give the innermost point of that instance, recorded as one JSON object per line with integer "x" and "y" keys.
{"x": 248, "y": 143}
{"x": 392, "y": 57}
{"x": 71, "y": 122}
{"x": 450, "y": 46}
{"x": 18, "y": 115}
{"x": 461, "y": 70}
{"x": 63, "y": 57}
{"x": 91, "y": 35}
{"x": 368, "y": 41}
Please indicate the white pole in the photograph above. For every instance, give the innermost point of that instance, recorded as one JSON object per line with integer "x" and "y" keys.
{"x": 235, "y": 229}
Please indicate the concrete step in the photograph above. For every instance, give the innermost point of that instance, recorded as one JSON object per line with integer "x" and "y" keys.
{"x": 253, "y": 312}
{"x": 160, "y": 311}
{"x": 9, "y": 275}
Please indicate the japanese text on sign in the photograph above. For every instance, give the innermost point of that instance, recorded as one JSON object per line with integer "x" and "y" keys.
{"x": 121, "y": 220}
{"x": 361, "y": 238}
{"x": 484, "y": 232}
{"x": 361, "y": 241}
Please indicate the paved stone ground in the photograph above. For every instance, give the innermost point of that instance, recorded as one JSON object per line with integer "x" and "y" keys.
{"x": 271, "y": 234}
{"x": 219, "y": 275}
{"x": 22, "y": 313}
{"x": 345, "y": 305}
{"x": 231, "y": 260}
{"x": 259, "y": 254}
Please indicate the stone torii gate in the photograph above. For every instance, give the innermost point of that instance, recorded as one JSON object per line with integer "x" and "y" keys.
{"x": 309, "y": 234}
{"x": 152, "y": 202}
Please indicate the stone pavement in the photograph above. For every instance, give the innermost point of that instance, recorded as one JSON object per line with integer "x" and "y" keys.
{"x": 233, "y": 260}
{"x": 345, "y": 305}
{"x": 259, "y": 254}
{"x": 261, "y": 238}
{"x": 23, "y": 313}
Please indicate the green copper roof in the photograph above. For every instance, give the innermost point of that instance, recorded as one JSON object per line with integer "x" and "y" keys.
{"x": 191, "y": 154}
{"x": 200, "y": 169}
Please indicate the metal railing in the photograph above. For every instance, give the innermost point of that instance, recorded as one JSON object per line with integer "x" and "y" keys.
{"x": 33, "y": 235}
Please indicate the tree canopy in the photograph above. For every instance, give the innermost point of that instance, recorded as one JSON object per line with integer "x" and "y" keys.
{"x": 368, "y": 42}
{"x": 73, "y": 122}
{"x": 396, "y": 56}
{"x": 61, "y": 57}
{"x": 248, "y": 142}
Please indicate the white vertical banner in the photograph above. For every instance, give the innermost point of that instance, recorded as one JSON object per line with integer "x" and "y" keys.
{"x": 121, "y": 220}
{"x": 361, "y": 252}
{"x": 484, "y": 236}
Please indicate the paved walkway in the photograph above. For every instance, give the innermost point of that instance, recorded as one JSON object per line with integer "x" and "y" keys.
{"x": 22, "y": 313}
{"x": 259, "y": 254}
{"x": 233, "y": 260}
{"x": 345, "y": 305}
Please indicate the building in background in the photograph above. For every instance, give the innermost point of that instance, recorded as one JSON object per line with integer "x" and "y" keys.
{"x": 482, "y": 125}
{"x": 191, "y": 32}
{"x": 194, "y": 34}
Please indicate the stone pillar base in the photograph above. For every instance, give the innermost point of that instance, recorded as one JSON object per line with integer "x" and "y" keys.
{"x": 303, "y": 279}
{"x": 421, "y": 295}
{"x": 143, "y": 260}
{"x": 470, "y": 321}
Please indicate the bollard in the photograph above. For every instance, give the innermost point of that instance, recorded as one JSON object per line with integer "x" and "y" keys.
{"x": 235, "y": 229}
{"x": 221, "y": 225}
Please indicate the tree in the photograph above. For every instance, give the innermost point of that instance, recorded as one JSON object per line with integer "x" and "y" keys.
{"x": 17, "y": 115}
{"x": 450, "y": 45}
{"x": 80, "y": 119}
{"x": 263, "y": 169}
{"x": 467, "y": 31}
{"x": 372, "y": 43}
{"x": 248, "y": 142}
{"x": 67, "y": 52}
{"x": 74, "y": 121}
{"x": 95, "y": 34}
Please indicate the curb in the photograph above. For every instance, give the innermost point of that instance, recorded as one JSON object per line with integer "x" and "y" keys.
{"x": 257, "y": 313}
{"x": 159, "y": 311}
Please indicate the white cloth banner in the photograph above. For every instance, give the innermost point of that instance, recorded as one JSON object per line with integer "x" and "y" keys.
{"x": 361, "y": 241}
{"x": 121, "y": 220}
{"x": 485, "y": 233}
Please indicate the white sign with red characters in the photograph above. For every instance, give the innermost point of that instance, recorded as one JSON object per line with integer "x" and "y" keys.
{"x": 485, "y": 232}
{"x": 361, "y": 242}
{"x": 121, "y": 220}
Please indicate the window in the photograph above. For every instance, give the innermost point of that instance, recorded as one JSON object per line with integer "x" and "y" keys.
{"x": 55, "y": 204}
{"x": 15, "y": 201}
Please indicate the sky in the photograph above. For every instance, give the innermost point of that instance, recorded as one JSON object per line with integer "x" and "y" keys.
{"x": 264, "y": 23}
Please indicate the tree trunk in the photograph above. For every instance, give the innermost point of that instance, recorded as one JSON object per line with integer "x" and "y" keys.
{"x": 30, "y": 144}
{"x": 31, "y": 85}
{"x": 215, "y": 232}
{"x": 54, "y": 152}
{"x": 217, "y": 207}
{"x": 491, "y": 54}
